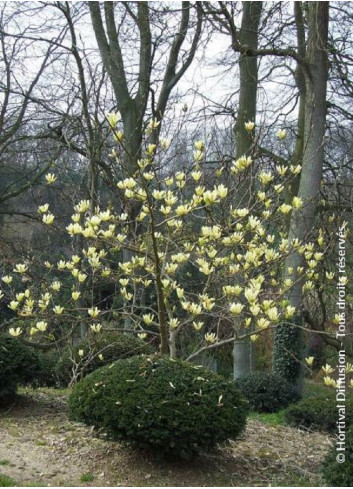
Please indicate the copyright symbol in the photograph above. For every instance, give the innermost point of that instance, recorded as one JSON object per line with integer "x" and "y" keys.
{"x": 340, "y": 458}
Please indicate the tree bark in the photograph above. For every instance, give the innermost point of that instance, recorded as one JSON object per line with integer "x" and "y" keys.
{"x": 248, "y": 67}
{"x": 302, "y": 221}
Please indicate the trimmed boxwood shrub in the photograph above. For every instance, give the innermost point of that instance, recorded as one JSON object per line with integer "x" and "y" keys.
{"x": 173, "y": 407}
{"x": 266, "y": 392}
{"x": 318, "y": 413}
{"x": 18, "y": 365}
{"x": 111, "y": 345}
{"x": 340, "y": 474}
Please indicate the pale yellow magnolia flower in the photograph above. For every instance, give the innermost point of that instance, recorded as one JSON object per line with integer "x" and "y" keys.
{"x": 273, "y": 313}
{"x": 81, "y": 353}
{"x": 329, "y": 381}
{"x": 241, "y": 164}
{"x": 236, "y": 308}
{"x": 148, "y": 176}
{"x": 297, "y": 202}
{"x": 285, "y": 208}
{"x": 93, "y": 312}
{"x": 43, "y": 208}
{"x": 164, "y": 143}
{"x": 113, "y": 119}
{"x": 148, "y": 319}
{"x": 196, "y": 175}
{"x": 222, "y": 191}
{"x": 254, "y": 337}
{"x": 96, "y": 328}
{"x": 41, "y": 326}
{"x": 211, "y": 338}
{"x": 118, "y": 136}
{"x": 174, "y": 323}
{"x": 265, "y": 177}
{"x": 13, "y": 305}
{"x": 82, "y": 206}
{"x": 15, "y": 331}
{"x": 249, "y": 126}
{"x": 295, "y": 169}
{"x": 58, "y": 310}
{"x": 289, "y": 312}
{"x": 349, "y": 368}
{"x": 263, "y": 323}
{"x": 56, "y": 285}
{"x": 281, "y": 134}
{"x": 309, "y": 361}
{"x": 197, "y": 325}
{"x": 74, "y": 228}
{"x": 198, "y": 156}
{"x": 48, "y": 218}
{"x": 101, "y": 358}
{"x": 151, "y": 149}
{"x": 351, "y": 383}
{"x": 50, "y": 178}
{"x": 7, "y": 279}
{"x": 281, "y": 170}
{"x": 20, "y": 268}
{"x": 76, "y": 295}
{"x": 327, "y": 369}
{"x": 153, "y": 124}
{"x": 199, "y": 145}
{"x": 210, "y": 197}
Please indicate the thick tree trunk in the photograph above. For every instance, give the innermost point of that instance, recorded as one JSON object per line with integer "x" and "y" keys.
{"x": 302, "y": 221}
{"x": 248, "y": 36}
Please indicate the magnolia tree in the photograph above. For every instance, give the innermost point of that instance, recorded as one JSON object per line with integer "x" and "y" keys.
{"x": 186, "y": 225}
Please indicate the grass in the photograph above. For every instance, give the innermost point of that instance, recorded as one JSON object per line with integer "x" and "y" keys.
{"x": 273, "y": 419}
{"x": 88, "y": 477}
{"x": 4, "y": 461}
{"x": 7, "y": 481}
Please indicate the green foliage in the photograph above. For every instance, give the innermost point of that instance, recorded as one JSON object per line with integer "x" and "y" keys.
{"x": 48, "y": 372}
{"x": 7, "y": 481}
{"x": 154, "y": 402}
{"x": 18, "y": 365}
{"x": 87, "y": 477}
{"x": 318, "y": 413}
{"x": 266, "y": 392}
{"x": 112, "y": 346}
{"x": 287, "y": 348}
{"x": 340, "y": 474}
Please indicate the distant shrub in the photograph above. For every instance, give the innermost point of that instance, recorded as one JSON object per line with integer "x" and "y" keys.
{"x": 318, "y": 413}
{"x": 110, "y": 345}
{"x": 18, "y": 365}
{"x": 169, "y": 406}
{"x": 340, "y": 474}
{"x": 266, "y": 392}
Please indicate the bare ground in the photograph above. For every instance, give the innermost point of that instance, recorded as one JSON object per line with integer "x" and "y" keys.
{"x": 40, "y": 446}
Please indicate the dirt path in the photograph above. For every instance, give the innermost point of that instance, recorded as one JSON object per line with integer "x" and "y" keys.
{"x": 40, "y": 446}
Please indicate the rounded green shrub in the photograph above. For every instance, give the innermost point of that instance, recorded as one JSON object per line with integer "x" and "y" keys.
{"x": 266, "y": 392}
{"x": 173, "y": 407}
{"x": 18, "y": 365}
{"x": 110, "y": 345}
{"x": 340, "y": 474}
{"x": 318, "y": 413}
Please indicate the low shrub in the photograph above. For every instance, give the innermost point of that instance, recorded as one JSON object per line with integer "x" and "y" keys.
{"x": 173, "y": 407}
{"x": 266, "y": 392}
{"x": 319, "y": 413}
{"x": 340, "y": 474}
{"x": 98, "y": 350}
{"x": 18, "y": 365}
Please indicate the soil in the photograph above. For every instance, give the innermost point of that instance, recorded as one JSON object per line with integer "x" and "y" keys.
{"x": 41, "y": 446}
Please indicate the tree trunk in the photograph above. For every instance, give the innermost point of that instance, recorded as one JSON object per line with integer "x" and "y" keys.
{"x": 248, "y": 36}
{"x": 302, "y": 221}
